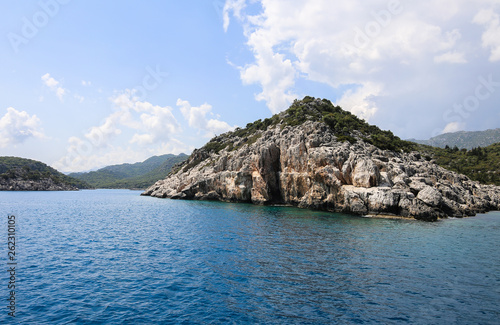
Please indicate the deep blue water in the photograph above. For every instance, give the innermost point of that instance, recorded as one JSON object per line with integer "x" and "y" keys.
{"x": 114, "y": 257}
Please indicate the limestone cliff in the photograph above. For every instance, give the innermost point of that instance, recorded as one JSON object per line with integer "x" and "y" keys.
{"x": 311, "y": 157}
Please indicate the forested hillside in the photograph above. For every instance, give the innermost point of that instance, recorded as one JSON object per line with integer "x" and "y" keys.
{"x": 138, "y": 175}
{"x": 18, "y": 173}
{"x": 480, "y": 164}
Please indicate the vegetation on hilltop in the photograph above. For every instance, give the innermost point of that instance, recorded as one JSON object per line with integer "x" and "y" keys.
{"x": 479, "y": 164}
{"x": 138, "y": 175}
{"x": 345, "y": 125}
{"x": 32, "y": 170}
{"x": 463, "y": 139}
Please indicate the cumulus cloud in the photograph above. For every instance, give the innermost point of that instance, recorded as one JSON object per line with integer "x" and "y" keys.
{"x": 374, "y": 55}
{"x": 360, "y": 102}
{"x": 274, "y": 73}
{"x": 197, "y": 118}
{"x": 453, "y": 127}
{"x": 174, "y": 146}
{"x": 158, "y": 123}
{"x": 16, "y": 127}
{"x": 54, "y": 86}
{"x": 99, "y": 136}
{"x": 155, "y": 123}
{"x": 491, "y": 40}
{"x": 82, "y": 156}
{"x": 147, "y": 127}
{"x": 234, "y": 6}
{"x": 334, "y": 43}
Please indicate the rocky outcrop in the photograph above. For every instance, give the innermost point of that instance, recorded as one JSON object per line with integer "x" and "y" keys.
{"x": 307, "y": 166}
{"x": 22, "y": 180}
{"x": 22, "y": 174}
{"x": 34, "y": 185}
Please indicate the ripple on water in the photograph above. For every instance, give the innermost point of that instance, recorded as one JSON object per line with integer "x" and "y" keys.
{"x": 132, "y": 259}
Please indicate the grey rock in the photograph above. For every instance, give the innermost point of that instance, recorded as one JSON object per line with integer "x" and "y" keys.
{"x": 306, "y": 166}
{"x": 45, "y": 184}
{"x": 430, "y": 196}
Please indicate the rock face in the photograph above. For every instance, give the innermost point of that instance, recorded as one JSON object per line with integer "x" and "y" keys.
{"x": 20, "y": 179}
{"x": 33, "y": 185}
{"x": 22, "y": 174}
{"x": 307, "y": 166}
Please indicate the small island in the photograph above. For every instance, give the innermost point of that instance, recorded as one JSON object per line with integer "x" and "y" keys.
{"x": 316, "y": 155}
{"x": 20, "y": 174}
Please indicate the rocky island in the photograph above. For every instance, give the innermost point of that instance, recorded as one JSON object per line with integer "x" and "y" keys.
{"x": 316, "y": 155}
{"x": 20, "y": 174}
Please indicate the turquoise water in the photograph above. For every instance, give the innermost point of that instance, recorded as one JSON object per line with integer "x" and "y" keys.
{"x": 114, "y": 257}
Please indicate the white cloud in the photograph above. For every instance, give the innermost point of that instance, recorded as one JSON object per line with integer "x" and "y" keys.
{"x": 153, "y": 123}
{"x": 293, "y": 40}
{"x": 86, "y": 83}
{"x": 49, "y": 81}
{"x": 99, "y": 136}
{"x": 359, "y": 48}
{"x": 276, "y": 76}
{"x": 17, "y": 127}
{"x": 234, "y": 6}
{"x": 450, "y": 57}
{"x": 54, "y": 85}
{"x": 491, "y": 36}
{"x": 174, "y": 146}
{"x": 158, "y": 122}
{"x": 146, "y": 128}
{"x": 197, "y": 118}
{"x": 79, "y": 98}
{"x": 453, "y": 127}
{"x": 360, "y": 102}
{"x": 81, "y": 157}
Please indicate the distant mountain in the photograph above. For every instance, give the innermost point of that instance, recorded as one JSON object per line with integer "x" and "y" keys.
{"x": 463, "y": 139}
{"x": 138, "y": 175}
{"x": 20, "y": 174}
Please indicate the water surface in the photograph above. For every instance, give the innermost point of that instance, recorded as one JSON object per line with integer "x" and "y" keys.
{"x": 114, "y": 257}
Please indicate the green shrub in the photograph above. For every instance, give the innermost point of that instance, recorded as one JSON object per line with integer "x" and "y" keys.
{"x": 344, "y": 138}
{"x": 214, "y": 146}
{"x": 479, "y": 164}
{"x": 192, "y": 164}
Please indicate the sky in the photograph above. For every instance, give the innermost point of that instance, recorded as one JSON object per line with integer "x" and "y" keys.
{"x": 87, "y": 84}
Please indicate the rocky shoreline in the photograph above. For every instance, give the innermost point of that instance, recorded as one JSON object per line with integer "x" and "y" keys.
{"x": 307, "y": 166}
{"x": 22, "y": 174}
{"x": 34, "y": 185}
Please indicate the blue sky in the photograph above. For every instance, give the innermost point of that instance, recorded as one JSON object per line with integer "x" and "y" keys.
{"x": 85, "y": 84}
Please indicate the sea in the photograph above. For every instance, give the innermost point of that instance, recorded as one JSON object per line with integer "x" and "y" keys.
{"x": 115, "y": 257}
